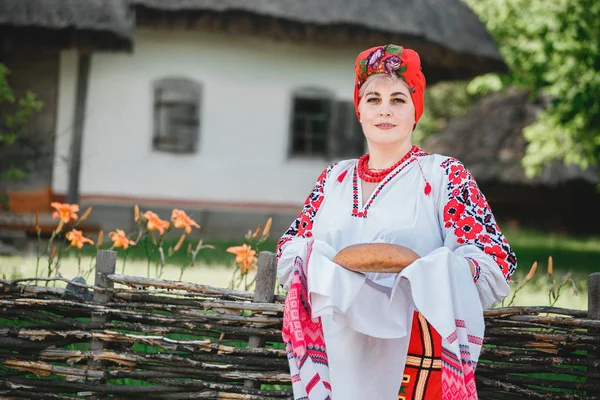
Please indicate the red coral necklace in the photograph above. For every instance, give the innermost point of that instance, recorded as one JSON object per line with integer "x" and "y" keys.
{"x": 375, "y": 175}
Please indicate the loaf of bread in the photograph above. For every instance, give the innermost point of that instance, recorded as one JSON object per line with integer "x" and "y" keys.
{"x": 375, "y": 257}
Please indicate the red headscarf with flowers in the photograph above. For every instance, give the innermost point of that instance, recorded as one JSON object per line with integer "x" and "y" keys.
{"x": 392, "y": 59}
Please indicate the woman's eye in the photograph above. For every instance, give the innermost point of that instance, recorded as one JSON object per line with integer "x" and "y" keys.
{"x": 372, "y": 99}
{"x": 399, "y": 100}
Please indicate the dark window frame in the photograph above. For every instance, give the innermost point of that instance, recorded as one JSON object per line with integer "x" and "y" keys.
{"x": 305, "y": 138}
{"x": 341, "y": 135}
{"x": 171, "y": 132}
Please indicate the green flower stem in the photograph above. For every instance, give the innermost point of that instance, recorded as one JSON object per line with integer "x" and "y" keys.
{"x": 37, "y": 253}
{"x": 124, "y": 262}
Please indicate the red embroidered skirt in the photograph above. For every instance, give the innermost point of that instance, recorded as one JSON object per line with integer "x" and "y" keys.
{"x": 422, "y": 379}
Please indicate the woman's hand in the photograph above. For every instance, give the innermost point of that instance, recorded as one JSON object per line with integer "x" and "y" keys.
{"x": 375, "y": 257}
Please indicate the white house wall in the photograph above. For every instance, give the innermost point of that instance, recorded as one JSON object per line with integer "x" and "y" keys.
{"x": 64, "y": 121}
{"x": 244, "y": 129}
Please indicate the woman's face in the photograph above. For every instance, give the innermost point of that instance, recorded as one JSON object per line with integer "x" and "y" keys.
{"x": 387, "y": 112}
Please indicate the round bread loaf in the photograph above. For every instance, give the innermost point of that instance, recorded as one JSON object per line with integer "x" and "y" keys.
{"x": 375, "y": 257}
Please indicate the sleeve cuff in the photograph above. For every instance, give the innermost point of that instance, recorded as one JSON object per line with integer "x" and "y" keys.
{"x": 477, "y": 269}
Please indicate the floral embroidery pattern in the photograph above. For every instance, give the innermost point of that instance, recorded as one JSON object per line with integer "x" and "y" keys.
{"x": 477, "y": 269}
{"x": 413, "y": 154}
{"x": 302, "y": 225}
{"x": 468, "y": 215}
{"x": 304, "y": 339}
{"x": 385, "y": 59}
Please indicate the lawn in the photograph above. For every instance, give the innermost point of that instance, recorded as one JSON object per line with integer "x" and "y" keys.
{"x": 578, "y": 256}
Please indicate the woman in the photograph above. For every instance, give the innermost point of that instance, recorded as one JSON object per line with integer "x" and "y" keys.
{"x": 412, "y": 335}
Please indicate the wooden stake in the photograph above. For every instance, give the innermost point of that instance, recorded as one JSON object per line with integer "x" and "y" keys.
{"x": 593, "y": 383}
{"x": 264, "y": 293}
{"x": 106, "y": 261}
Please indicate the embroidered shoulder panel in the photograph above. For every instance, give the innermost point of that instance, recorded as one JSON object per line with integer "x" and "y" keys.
{"x": 302, "y": 225}
{"x": 468, "y": 215}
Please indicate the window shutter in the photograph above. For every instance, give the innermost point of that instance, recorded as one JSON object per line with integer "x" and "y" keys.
{"x": 176, "y": 115}
{"x": 347, "y": 137}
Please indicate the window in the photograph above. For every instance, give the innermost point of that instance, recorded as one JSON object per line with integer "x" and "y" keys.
{"x": 176, "y": 115}
{"x": 312, "y": 113}
{"x": 323, "y": 127}
{"x": 347, "y": 139}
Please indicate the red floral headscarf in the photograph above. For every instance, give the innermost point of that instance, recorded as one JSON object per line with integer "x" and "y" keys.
{"x": 388, "y": 59}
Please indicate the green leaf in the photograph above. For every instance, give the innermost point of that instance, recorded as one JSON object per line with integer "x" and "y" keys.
{"x": 14, "y": 118}
{"x": 14, "y": 174}
{"x": 363, "y": 65}
{"x": 393, "y": 49}
{"x": 8, "y": 137}
{"x": 402, "y": 389}
{"x": 4, "y": 201}
{"x": 485, "y": 84}
{"x": 551, "y": 47}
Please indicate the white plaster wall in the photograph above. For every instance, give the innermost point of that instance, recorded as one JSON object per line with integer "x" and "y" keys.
{"x": 247, "y": 87}
{"x": 67, "y": 77}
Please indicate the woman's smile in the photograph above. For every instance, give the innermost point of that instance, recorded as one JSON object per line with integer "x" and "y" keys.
{"x": 385, "y": 126}
{"x": 387, "y": 115}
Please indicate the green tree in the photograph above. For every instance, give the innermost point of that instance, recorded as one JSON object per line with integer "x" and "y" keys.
{"x": 14, "y": 114}
{"x": 552, "y": 47}
{"x": 444, "y": 101}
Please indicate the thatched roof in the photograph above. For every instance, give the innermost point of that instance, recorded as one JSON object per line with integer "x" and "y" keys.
{"x": 98, "y": 24}
{"x": 453, "y": 43}
{"x": 451, "y": 40}
{"x": 489, "y": 141}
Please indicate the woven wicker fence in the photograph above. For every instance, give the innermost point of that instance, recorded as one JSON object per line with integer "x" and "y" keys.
{"x": 175, "y": 340}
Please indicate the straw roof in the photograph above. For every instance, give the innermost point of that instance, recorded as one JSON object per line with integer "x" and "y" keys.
{"x": 452, "y": 41}
{"x": 105, "y": 24}
{"x": 488, "y": 140}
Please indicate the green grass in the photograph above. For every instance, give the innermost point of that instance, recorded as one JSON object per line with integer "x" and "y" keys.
{"x": 573, "y": 257}
{"x": 216, "y": 256}
{"x": 580, "y": 255}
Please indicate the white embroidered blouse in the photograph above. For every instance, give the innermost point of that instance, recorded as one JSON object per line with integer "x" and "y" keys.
{"x": 366, "y": 317}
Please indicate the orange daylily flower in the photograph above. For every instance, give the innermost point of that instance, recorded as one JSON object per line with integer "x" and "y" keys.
{"x": 66, "y": 212}
{"x": 267, "y": 229}
{"x": 85, "y": 215}
{"x": 119, "y": 238}
{"x": 531, "y": 272}
{"x": 182, "y": 220}
{"x": 179, "y": 243}
{"x": 100, "y": 239}
{"x": 244, "y": 256}
{"x": 256, "y": 232}
{"x": 77, "y": 239}
{"x": 155, "y": 223}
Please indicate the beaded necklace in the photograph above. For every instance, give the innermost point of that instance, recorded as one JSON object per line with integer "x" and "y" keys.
{"x": 375, "y": 175}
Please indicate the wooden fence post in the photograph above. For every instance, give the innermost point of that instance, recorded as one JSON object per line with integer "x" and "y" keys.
{"x": 106, "y": 261}
{"x": 593, "y": 380}
{"x": 264, "y": 292}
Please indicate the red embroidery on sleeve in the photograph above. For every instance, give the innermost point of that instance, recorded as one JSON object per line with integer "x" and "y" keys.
{"x": 470, "y": 218}
{"x": 302, "y": 225}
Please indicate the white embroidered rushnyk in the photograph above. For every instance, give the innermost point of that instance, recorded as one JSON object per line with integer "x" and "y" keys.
{"x": 367, "y": 334}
